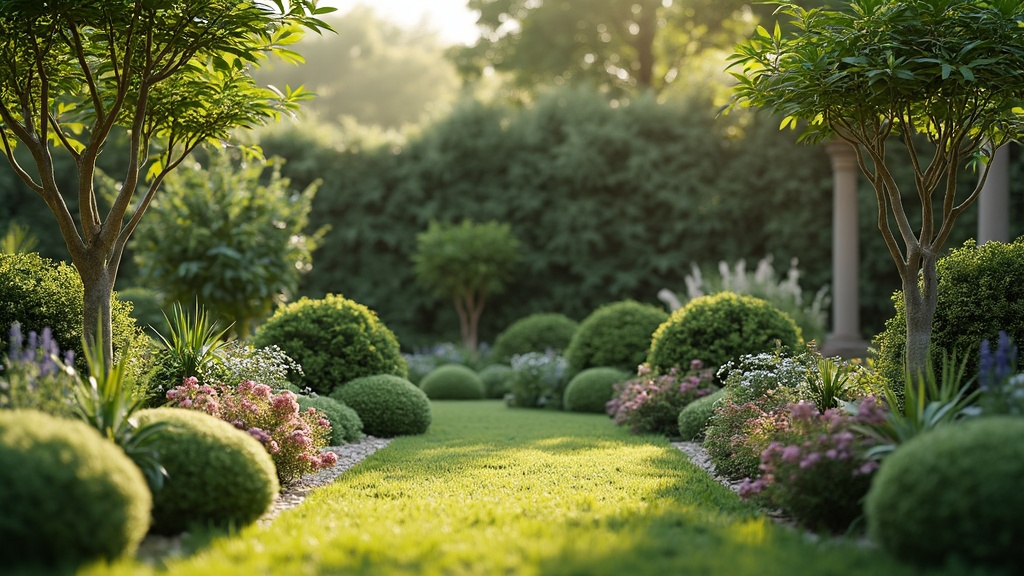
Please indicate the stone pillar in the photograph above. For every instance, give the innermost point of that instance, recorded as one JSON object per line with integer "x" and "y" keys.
{"x": 845, "y": 338}
{"x": 994, "y": 202}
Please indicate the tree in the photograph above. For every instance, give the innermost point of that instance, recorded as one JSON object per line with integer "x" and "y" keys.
{"x": 171, "y": 74}
{"x": 218, "y": 235}
{"x": 947, "y": 71}
{"x": 466, "y": 262}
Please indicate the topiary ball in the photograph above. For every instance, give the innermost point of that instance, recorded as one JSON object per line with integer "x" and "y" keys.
{"x": 334, "y": 340}
{"x": 216, "y": 474}
{"x": 497, "y": 379}
{"x": 68, "y": 496}
{"x": 345, "y": 423}
{"x": 953, "y": 492}
{"x": 981, "y": 291}
{"x": 718, "y": 328}
{"x": 453, "y": 382}
{"x": 388, "y": 405}
{"x": 694, "y": 418}
{"x": 591, "y": 389}
{"x": 534, "y": 333}
{"x": 616, "y": 335}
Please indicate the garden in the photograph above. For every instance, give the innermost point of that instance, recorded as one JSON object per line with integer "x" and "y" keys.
{"x": 214, "y": 418}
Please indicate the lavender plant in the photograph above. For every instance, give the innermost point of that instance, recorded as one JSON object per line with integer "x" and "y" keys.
{"x": 1001, "y": 387}
{"x": 36, "y": 375}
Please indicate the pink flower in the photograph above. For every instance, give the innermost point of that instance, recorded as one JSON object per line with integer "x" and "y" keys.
{"x": 810, "y": 460}
{"x": 791, "y": 453}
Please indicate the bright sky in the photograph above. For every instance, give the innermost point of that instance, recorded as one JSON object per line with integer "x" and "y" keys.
{"x": 454, "y": 22}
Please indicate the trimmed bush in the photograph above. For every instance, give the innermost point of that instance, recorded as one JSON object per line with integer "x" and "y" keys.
{"x": 453, "y": 382}
{"x": 388, "y": 405}
{"x": 591, "y": 389}
{"x": 68, "y": 495}
{"x": 616, "y": 335}
{"x": 217, "y": 474}
{"x": 534, "y": 333}
{"x": 718, "y": 328}
{"x": 334, "y": 340}
{"x": 694, "y": 418}
{"x": 953, "y": 493}
{"x": 497, "y": 379}
{"x": 345, "y": 423}
{"x": 981, "y": 291}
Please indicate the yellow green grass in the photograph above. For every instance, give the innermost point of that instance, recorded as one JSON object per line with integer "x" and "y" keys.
{"x": 493, "y": 490}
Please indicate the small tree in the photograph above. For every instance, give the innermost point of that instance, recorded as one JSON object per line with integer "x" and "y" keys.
{"x": 168, "y": 75}
{"x": 466, "y": 262}
{"x": 947, "y": 71}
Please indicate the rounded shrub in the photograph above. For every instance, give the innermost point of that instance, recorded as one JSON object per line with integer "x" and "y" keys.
{"x": 497, "y": 379}
{"x": 534, "y": 333}
{"x": 216, "y": 474}
{"x": 591, "y": 389}
{"x": 616, "y": 335}
{"x": 334, "y": 340}
{"x": 694, "y": 418}
{"x": 388, "y": 405}
{"x": 981, "y": 291}
{"x": 345, "y": 423}
{"x": 453, "y": 382}
{"x": 68, "y": 495}
{"x": 953, "y": 493}
{"x": 718, "y": 328}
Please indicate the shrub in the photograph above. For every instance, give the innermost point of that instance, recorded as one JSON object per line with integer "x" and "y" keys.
{"x": 68, "y": 495}
{"x": 538, "y": 380}
{"x": 591, "y": 389}
{"x": 453, "y": 382}
{"x": 293, "y": 438}
{"x": 616, "y": 335}
{"x": 267, "y": 365}
{"x": 345, "y": 423}
{"x": 981, "y": 291}
{"x": 33, "y": 377}
{"x": 953, "y": 493}
{"x": 497, "y": 379}
{"x": 534, "y": 333}
{"x": 650, "y": 404}
{"x": 720, "y": 328}
{"x": 334, "y": 340}
{"x": 423, "y": 362}
{"x": 217, "y": 475}
{"x": 694, "y": 417}
{"x": 190, "y": 349}
{"x": 387, "y": 404}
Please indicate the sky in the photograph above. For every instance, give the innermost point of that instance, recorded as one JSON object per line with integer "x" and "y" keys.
{"x": 454, "y": 22}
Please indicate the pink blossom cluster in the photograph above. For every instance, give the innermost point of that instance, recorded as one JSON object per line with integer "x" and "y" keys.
{"x": 294, "y": 438}
{"x": 650, "y": 403}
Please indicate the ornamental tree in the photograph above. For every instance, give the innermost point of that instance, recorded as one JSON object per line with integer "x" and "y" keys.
{"x": 876, "y": 73}
{"x": 167, "y": 74}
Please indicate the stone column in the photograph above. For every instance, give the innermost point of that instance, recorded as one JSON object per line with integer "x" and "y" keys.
{"x": 994, "y": 202}
{"x": 845, "y": 338}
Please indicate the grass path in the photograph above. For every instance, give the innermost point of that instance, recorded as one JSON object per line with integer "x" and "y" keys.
{"x": 492, "y": 490}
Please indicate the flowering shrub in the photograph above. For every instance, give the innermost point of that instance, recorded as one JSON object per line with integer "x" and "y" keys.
{"x": 815, "y": 468}
{"x": 293, "y": 438}
{"x": 651, "y": 403}
{"x": 33, "y": 375}
{"x": 241, "y": 362}
{"x": 739, "y": 432}
{"x": 539, "y": 380}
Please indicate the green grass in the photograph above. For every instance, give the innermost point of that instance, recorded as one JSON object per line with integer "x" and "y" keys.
{"x": 493, "y": 490}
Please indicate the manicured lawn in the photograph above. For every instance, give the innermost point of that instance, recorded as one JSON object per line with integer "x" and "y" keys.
{"x": 493, "y": 490}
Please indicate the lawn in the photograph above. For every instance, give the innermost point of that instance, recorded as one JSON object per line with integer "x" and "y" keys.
{"x": 493, "y": 490}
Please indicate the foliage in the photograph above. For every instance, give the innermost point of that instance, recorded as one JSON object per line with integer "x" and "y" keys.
{"x": 831, "y": 383}
{"x": 469, "y": 263}
{"x": 293, "y": 438}
{"x": 616, "y": 335}
{"x": 345, "y": 423}
{"x": 189, "y": 350}
{"x": 534, "y": 333}
{"x": 1000, "y": 386}
{"x": 387, "y": 404}
{"x": 229, "y": 236}
{"x": 146, "y": 306}
{"x": 69, "y": 496}
{"x": 453, "y": 382}
{"x": 240, "y": 362}
{"x": 424, "y": 360}
{"x": 592, "y": 389}
{"x": 953, "y": 493}
{"x": 497, "y": 379}
{"x": 539, "y": 380}
{"x": 334, "y": 339}
{"x": 720, "y": 328}
{"x": 695, "y": 416}
{"x": 33, "y": 376}
{"x": 18, "y": 239}
{"x": 217, "y": 475}
{"x": 651, "y": 402}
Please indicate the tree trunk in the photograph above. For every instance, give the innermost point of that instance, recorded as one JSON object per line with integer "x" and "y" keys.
{"x": 98, "y": 277}
{"x": 643, "y": 43}
{"x": 919, "y": 300}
